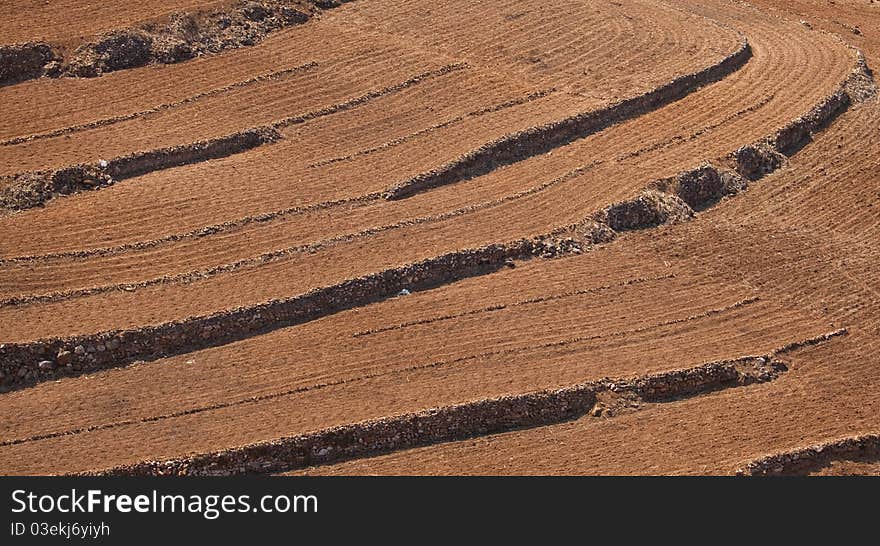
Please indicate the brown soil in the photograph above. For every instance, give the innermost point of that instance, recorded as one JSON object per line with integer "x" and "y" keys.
{"x": 829, "y": 391}
{"x": 63, "y": 20}
{"x": 757, "y": 314}
{"x": 498, "y": 217}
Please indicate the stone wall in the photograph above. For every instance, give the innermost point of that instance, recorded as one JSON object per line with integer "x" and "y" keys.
{"x": 541, "y": 139}
{"x": 27, "y": 363}
{"x": 457, "y": 422}
{"x": 807, "y": 460}
{"x": 30, "y": 190}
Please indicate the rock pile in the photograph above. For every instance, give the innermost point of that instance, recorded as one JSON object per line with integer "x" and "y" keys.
{"x": 26, "y": 61}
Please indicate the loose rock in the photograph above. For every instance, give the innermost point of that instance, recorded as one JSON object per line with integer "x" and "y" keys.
{"x": 64, "y": 358}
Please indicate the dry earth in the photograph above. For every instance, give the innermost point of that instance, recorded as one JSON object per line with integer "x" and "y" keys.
{"x": 502, "y": 237}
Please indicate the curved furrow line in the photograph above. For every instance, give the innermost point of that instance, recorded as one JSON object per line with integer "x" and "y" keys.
{"x": 366, "y": 97}
{"x": 690, "y": 194}
{"x": 206, "y": 231}
{"x": 285, "y": 122}
{"x": 183, "y": 35}
{"x": 448, "y": 123}
{"x": 195, "y": 276}
{"x": 543, "y": 325}
{"x": 229, "y": 226}
{"x": 434, "y": 364}
{"x": 647, "y": 210}
{"x": 534, "y": 141}
{"x": 269, "y": 76}
{"x": 28, "y": 190}
{"x": 470, "y": 419}
{"x": 679, "y": 139}
{"x": 502, "y": 306}
{"x": 548, "y": 339}
{"x": 274, "y": 254}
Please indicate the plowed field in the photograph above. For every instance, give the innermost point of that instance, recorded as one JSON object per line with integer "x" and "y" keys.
{"x": 504, "y": 237}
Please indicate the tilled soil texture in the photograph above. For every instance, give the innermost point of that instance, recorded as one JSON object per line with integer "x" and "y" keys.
{"x": 402, "y": 238}
{"x": 803, "y": 235}
{"x": 80, "y": 39}
{"x": 327, "y": 240}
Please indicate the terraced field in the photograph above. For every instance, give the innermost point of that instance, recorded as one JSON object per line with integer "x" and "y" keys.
{"x": 632, "y": 237}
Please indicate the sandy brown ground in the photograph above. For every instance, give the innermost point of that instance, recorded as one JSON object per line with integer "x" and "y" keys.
{"x": 60, "y": 21}
{"x": 343, "y": 374}
{"x": 820, "y": 261}
{"x": 358, "y": 55}
{"x": 745, "y": 106}
{"x": 792, "y": 258}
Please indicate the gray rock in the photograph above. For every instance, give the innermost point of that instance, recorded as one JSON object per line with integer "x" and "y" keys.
{"x": 46, "y": 365}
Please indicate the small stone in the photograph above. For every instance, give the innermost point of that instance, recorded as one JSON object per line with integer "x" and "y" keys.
{"x": 46, "y": 365}
{"x": 113, "y": 344}
{"x": 80, "y": 350}
{"x": 100, "y": 347}
{"x": 64, "y": 358}
{"x": 52, "y": 68}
